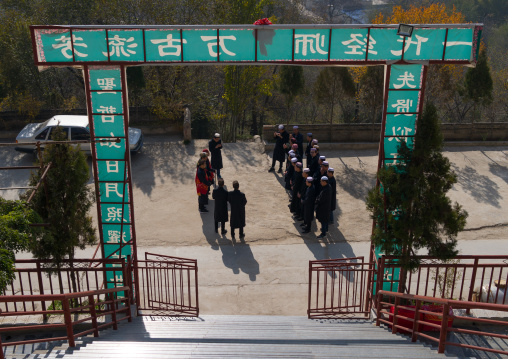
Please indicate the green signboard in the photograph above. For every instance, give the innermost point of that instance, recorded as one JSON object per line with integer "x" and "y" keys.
{"x": 111, "y": 165}
{"x": 318, "y": 44}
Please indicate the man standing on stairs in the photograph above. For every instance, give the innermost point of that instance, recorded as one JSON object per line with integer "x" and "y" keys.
{"x": 215, "y": 147}
{"x": 281, "y": 138}
{"x": 237, "y": 201}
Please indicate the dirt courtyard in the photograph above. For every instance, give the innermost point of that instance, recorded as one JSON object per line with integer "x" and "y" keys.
{"x": 166, "y": 206}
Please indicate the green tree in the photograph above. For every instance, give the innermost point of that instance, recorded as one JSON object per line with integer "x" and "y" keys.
{"x": 64, "y": 204}
{"x": 16, "y": 234}
{"x": 332, "y": 86}
{"x": 291, "y": 84}
{"x": 416, "y": 213}
{"x": 479, "y": 83}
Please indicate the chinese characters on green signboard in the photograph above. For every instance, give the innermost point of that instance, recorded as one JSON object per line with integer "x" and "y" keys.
{"x": 262, "y": 44}
{"x": 108, "y": 115}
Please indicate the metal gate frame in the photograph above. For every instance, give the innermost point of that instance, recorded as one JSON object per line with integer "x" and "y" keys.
{"x": 345, "y": 294}
{"x": 167, "y": 286}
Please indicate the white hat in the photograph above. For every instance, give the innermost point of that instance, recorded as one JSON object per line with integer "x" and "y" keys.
{"x": 216, "y": 135}
{"x": 322, "y": 158}
{"x": 306, "y": 170}
{"x": 294, "y": 160}
{"x": 295, "y": 127}
{"x": 324, "y": 178}
{"x": 281, "y": 127}
{"x": 331, "y": 169}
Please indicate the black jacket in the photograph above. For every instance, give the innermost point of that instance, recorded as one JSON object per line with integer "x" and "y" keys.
{"x": 314, "y": 165}
{"x": 308, "y": 202}
{"x": 238, "y": 201}
{"x": 333, "y": 184}
{"x": 323, "y": 204}
{"x": 216, "y": 154}
{"x": 220, "y": 195}
{"x": 278, "y": 152}
{"x": 299, "y": 142}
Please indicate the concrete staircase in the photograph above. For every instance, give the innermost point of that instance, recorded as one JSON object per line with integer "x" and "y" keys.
{"x": 236, "y": 337}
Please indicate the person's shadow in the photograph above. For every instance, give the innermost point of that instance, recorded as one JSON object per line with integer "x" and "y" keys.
{"x": 236, "y": 254}
{"x": 208, "y": 225}
{"x": 239, "y": 257}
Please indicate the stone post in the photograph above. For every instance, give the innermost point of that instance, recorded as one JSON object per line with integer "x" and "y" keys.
{"x": 187, "y": 129}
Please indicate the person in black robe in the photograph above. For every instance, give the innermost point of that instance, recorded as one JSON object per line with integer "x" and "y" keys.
{"x": 237, "y": 201}
{"x": 317, "y": 176}
{"x": 308, "y": 205}
{"x": 333, "y": 184}
{"x": 309, "y": 146}
{"x": 323, "y": 204}
{"x": 314, "y": 165}
{"x": 220, "y": 214}
{"x": 279, "y": 154}
{"x": 298, "y": 140}
{"x": 297, "y": 184}
{"x": 288, "y": 175}
{"x": 296, "y": 151}
{"x": 301, "y": 194}
{"x": 215, "y": 147}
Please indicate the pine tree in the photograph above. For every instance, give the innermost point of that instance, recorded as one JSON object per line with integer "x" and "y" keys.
{"x": 64, "y": 203}
{"x": 416, "y": 213}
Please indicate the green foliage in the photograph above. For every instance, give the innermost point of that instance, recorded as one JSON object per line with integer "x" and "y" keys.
{"x": 332, "y": 86}
{"x": 479, "y": 82}
{"x": 16, "y": 234}
{"x": 416, "y": 213}
{"x": 64, "y": 203}
{"x": 291, "y": 83}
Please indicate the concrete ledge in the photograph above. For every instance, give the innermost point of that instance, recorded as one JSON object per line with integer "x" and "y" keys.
{"x": 329, "y": 146}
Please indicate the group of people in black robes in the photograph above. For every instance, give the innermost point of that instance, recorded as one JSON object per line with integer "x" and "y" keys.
{"x": 312, "y": 189}
{"x": 205, "y": 175}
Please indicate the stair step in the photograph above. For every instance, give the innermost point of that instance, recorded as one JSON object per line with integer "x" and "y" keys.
{"x": 238, "y": 337}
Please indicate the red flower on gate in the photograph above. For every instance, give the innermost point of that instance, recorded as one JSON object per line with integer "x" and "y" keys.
{"x": 264, "y": 21}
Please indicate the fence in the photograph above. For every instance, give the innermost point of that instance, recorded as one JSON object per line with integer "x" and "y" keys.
{"x": 471, "y": 278}
{"x": 97, "y": 303}
{"x": 416, "y": 318}
{"x": 167, "y": 286}
{"x": 339, "y": 288}
{"x": 40, "y": 277}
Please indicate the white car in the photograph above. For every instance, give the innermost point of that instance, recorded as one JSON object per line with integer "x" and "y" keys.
{"x": 76, "y": 128}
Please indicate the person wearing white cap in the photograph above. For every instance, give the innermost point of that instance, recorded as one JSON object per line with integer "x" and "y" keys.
{"x": 298, "y": 139}
{"x": 302, "y": 190}
{"x": 288, "y": 175}
{"x": 295, "y": 186}
{"x": 215, "y": 147}
{"x": 323, "y": 204}
{"x": 317, "y": 176}
{"x": 309, "y": 146}
{"x": 314, "y": 158}
{"x": 281, "y": 138}
{"x": 333, "y": 184}
{"x": 308, "y": 205}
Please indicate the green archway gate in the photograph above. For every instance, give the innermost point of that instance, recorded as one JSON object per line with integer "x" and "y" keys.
{"x": 104, "y": 53}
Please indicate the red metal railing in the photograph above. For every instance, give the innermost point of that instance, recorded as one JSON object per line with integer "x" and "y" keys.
{"x": 456, "y": 279}
{"x": 91, "y": 302}
{"x": 167, "y": 286}
{"x": 339, "y": 288}
{"x": 416, "y": 328}
{"x": 39, "y": 277}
